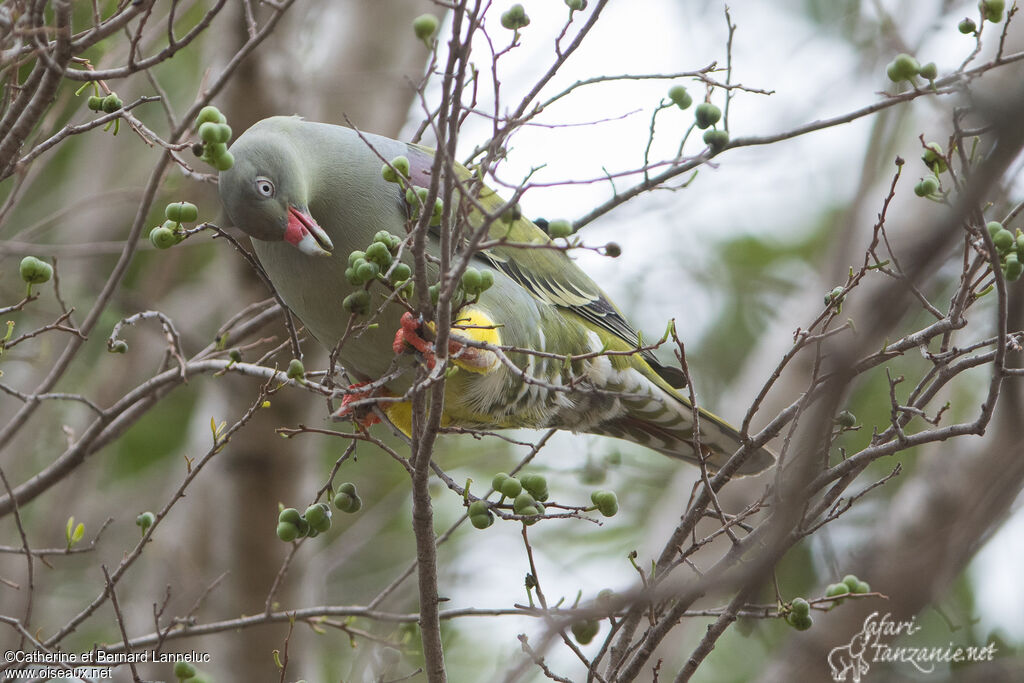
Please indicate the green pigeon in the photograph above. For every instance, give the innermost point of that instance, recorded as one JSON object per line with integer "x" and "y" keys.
{"x": 309, "y": 194}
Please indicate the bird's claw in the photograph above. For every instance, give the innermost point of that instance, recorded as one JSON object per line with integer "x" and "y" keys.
{"x": 408, "y": 336}
{"x": 362, "y": 414}
{"x": 465, "y": 356}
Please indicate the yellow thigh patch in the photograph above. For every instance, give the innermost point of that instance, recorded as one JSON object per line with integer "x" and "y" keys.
{"x": 474, "y": 324}
{"x": 478, "y": 326}
{"x": 400, "y": 414}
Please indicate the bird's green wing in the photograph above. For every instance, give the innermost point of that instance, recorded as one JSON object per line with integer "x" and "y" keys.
{"x": 547, "y": 274}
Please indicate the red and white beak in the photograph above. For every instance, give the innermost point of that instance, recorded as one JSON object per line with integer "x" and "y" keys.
{"x": 304, "y": 233}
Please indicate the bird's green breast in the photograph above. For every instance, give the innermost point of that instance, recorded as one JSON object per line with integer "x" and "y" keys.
{"x": 351, "y": 202}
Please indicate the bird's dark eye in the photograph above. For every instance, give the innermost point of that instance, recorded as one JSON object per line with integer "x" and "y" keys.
{"x": 265, "y": 187}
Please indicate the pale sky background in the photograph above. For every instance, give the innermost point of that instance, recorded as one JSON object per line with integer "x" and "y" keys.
{"x": 772, "y": 191}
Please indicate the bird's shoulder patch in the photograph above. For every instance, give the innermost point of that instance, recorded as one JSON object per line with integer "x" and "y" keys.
{"x": 475, "y": 324}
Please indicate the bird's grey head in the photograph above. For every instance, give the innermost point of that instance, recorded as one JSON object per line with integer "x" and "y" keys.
{"x": 266, "y": 191}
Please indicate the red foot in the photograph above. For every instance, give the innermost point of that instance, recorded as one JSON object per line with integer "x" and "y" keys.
{"x": 408, "y": 334}
{"x": 363, "y": 414}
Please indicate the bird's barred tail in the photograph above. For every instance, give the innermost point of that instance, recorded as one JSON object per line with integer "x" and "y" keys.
{"x": 662, "y": 420}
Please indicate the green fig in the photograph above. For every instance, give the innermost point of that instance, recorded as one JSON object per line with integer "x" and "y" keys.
{"x": 425, "y": 26}
{"x": 357, "y": 302}
{"x": 707, "y": 115}
{"x": 35, "y": 271}
{"x": 184, "y": 670}
{"x": 992, "y": 10}
{"x": 926, "y": 187}
{"x": 511, "y": 487}
{"x": 289, "y": 515}
{"x": 585, "y": 631}
{"x": 400, "y": 273}
{"x": 209, "y": 114}
{"x": 801, "y": 622}
{"x": 145, "y": 520}
{"x": 224, "y": 161}
{"x": 680, "y": 97}
{"x": 471, "y": 281}
{"x": 560, "y": 228}
{"x": 836, "y": 589}
{"x": 181, "y": 212}
{"x": 296, "y": 369}
{"x": 162, "y": 238}
{"x": 482, "y": 521}
{"x": 902, "y": 68}
{"x": 1003, "y": 240}
{"x": 112, "y": 103}
{"x": 515, "y": 18}
{"x": 522, "y": 502}
{"x": 536, "y": 485}
{"x": 606, "y": 501}
{"x": 716, "y": 139}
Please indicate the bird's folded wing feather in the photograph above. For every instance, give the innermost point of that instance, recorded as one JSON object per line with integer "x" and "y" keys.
{"x": 547, "y": 274}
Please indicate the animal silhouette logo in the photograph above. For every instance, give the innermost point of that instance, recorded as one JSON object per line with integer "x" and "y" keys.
{"x": 850, "y": 663}
{"x": 849, "y": 658}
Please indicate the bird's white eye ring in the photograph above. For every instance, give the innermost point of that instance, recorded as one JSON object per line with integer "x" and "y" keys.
{"x": 265, "y": 187}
